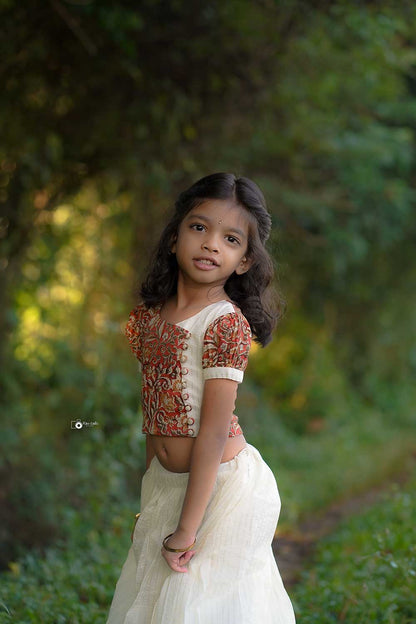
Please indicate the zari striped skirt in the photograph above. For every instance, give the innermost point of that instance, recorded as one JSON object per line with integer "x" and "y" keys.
{"x": 233, "y": 577}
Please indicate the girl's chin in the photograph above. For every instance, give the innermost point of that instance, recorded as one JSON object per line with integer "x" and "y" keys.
{"x": 203, "y": 278}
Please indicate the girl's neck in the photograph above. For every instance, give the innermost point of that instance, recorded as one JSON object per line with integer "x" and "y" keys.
{"x": 187, "y": 299}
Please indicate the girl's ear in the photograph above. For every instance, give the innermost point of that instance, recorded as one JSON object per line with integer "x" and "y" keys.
{"x": 172, "y": 246}
{"x": 244, "y": 265}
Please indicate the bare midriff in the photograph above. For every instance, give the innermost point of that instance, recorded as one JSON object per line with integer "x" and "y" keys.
{"x": 174, "y": 453}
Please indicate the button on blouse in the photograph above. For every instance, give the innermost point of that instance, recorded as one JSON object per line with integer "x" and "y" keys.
{"x": 216, "y": 340}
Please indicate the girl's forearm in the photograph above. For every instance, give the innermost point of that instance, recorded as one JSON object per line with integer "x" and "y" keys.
{"x": 216, "y": 412}
{"x": 206, "y": 457}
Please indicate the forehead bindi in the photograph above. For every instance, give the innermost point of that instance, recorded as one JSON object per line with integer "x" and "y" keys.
{"x": 222, "y": 214}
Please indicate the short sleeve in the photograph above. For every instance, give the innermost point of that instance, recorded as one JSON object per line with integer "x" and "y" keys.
{"x": 226, "y": 345}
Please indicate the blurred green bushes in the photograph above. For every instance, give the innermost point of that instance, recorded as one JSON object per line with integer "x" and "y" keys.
{"x": 49, "y": 469}
{"x": 364, "y": 572}
{"x": 102, "y": 129}
{"x": 350, "y": 450}
{"x": 301, "y": 376}
{"x": 74, "y": 580}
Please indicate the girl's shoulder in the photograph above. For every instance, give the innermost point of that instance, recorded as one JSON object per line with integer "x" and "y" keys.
{"x": 221, "y": 316}
{"x": 226, "y": 316}
{"x": 139, "y": 311}
{"x": 206, "y": 316}
{"x": 139, "y": 316}
{"x": 226, "y": 341}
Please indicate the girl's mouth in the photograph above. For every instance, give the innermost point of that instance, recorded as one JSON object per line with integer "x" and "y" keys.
{"x": 205, "y": 263}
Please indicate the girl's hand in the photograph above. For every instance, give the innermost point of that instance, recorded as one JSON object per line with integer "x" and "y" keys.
{"x": 178, "y": 561}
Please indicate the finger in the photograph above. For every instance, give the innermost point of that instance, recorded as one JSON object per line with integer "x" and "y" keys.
{"x": 181, "y": 563}
{"x": 176, "y": 563}
{"x": 187, "y": 556}
{"x": 178, "y": 568}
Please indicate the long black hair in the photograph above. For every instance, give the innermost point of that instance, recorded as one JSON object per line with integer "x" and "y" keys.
{"x": 251, "y": 291}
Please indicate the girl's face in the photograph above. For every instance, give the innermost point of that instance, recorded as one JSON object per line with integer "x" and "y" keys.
{"x": 212, "y": 243}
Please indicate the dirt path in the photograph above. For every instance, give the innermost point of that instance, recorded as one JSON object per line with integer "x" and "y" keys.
{"x": 295, "y": 551}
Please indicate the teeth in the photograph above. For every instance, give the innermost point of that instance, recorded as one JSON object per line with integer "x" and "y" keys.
{"x": 205, "y": 261}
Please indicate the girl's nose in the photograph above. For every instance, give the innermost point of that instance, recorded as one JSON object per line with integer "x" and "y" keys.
{"x": 211, "y": 246}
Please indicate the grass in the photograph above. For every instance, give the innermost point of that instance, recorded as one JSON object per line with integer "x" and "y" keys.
{"x": 365, "y": 574}
{"x": 72, "y": 582}
{"x": 366, "y": 570}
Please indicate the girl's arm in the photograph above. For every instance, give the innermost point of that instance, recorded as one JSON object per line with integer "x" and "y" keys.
{"x": 216, "y": 413}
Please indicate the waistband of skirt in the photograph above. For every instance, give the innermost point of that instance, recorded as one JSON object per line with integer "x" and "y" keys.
{"x": 224, "y": 467}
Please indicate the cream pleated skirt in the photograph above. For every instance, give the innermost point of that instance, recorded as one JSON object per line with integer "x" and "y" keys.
{"x": 233, "y": 577}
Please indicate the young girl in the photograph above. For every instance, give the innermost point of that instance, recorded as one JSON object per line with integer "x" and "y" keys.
{"x": 201, "y": 548}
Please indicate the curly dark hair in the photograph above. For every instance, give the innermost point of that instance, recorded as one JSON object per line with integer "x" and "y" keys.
{"x": 252, "y": 291}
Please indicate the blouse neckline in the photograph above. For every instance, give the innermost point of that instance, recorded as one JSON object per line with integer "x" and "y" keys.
{"x": 158, "y": 307}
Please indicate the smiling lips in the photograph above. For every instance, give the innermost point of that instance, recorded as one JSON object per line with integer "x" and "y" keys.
{"x": 205, "y": 263}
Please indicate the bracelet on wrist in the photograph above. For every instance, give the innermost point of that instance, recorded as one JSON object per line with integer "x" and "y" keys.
{"x": 176, "y": 550}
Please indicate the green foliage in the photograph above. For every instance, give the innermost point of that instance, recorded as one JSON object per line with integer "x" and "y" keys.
{"x": 300, "y": 376}
{"x": 74, "y": 581}
{"x": 109, "y": 110}
{"x": 366, "y": 568}
{"x": 52, "y": 468}
{"x": 68, "y": 361}
{"x": 346, "y": 453}
{"x": 366, "y": 571}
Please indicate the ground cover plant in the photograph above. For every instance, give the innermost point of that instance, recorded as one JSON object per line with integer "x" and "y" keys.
{"x": 73, "y": 581}
{"x": 366, "y": 570}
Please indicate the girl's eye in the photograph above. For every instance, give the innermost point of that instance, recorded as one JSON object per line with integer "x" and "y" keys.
{"x": 233, "y": 239}
{"x": 198, "y": 227}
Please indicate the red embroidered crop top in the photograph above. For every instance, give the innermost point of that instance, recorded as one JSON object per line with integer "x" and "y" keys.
{"x": 176, "y": 359}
